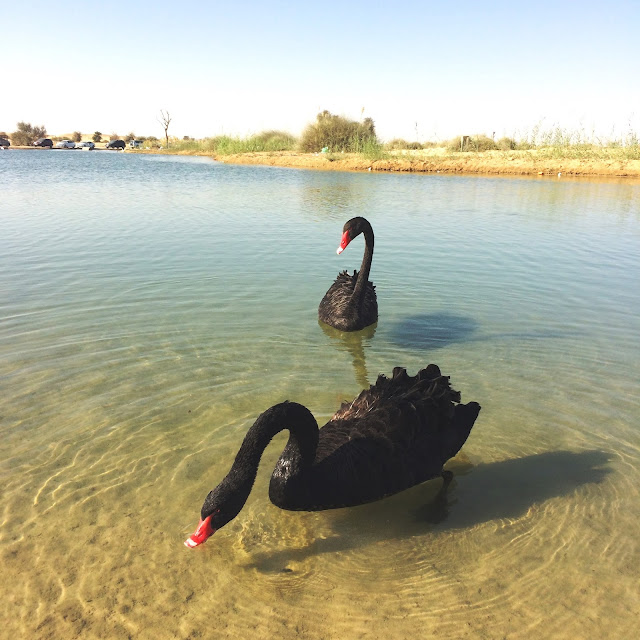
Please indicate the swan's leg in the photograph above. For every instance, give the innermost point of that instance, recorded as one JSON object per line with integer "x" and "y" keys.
{"x": 447, "y": 476}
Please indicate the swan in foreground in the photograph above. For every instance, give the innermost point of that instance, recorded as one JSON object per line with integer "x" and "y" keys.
{"x": 394, "y": 435}
{"x": 350, "y": 304}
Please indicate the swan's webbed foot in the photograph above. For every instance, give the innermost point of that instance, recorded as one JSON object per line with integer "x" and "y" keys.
{"x": 447, "y": 477}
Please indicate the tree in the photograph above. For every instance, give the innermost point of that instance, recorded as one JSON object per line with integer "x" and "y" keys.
{"x": 130, "y": 136}
{"x": 165, "y": 120}
{"x": 77, "y": 136}
{"x": 26, "y": 134}
{"x": 97, "y": 136}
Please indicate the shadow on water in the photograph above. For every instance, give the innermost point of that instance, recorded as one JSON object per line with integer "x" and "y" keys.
{"x": 477, "y": 494}
{"x": 354, "y": 343}
{"x": 437, "y": 330}
{"x": 433, "y": 330}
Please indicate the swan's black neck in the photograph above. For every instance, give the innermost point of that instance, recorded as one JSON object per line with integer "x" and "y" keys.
{"x": 296, "y": 458}
{"x": 365, "y": 268}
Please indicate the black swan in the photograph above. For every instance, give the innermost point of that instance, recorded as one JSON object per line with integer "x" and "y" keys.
{"x": 394, "y": 435}
{"x": 350, "y": 304}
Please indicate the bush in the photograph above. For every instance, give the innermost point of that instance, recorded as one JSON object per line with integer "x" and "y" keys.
{"x": 507, "y": 144}
{"x": 397, "y": 143}
{"x": 97, "y": 136}
{"x": 26, "y": 134}
{"x": 274, "y": 140}
{"x": 400, "y": 143}
{"x": 479, "y": 142}
{"x": 76, "y": 137}
{"x": 152, "y": 142}
{"x": 338, "y": 134}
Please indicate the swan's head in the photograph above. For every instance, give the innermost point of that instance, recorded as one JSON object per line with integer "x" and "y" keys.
{"x": 351, "y": 230}
{"x": 221, "y": 506}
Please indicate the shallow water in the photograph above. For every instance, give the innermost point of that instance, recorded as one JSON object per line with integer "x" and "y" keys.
{"x": 151, "y": 307}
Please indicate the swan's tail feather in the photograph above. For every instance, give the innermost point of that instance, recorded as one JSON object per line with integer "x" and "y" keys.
{"x": 464, "y": 418}
{"x": 400, "y": 374}
{"x": 430, "y": 372}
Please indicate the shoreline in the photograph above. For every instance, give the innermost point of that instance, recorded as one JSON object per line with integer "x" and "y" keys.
{"x": 604, "y": 163}
{"x": 521, "y": 163}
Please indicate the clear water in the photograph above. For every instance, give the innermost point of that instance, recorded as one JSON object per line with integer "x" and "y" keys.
{"x": 151, "y": 307}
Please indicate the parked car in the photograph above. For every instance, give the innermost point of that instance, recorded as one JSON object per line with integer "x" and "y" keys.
{"x": 135, "y": 144}
{"x": 115, "y": 144}
{"x": 65, "y": 144}
{"x": 43, "y": 142}
{"x": 4, "y": 142}
{"x": 85, "y": 145}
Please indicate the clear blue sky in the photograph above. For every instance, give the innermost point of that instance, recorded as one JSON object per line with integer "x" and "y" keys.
{"x": 420, "y": 69}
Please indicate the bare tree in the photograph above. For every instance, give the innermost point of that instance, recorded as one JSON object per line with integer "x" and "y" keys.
{"x": 165, "y": 120}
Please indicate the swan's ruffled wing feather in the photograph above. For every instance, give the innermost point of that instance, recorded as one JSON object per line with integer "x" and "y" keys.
{"x": 395, "y": 434}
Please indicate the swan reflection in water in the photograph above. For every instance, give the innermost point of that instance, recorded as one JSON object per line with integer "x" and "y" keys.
{"x": 354, "y": 343}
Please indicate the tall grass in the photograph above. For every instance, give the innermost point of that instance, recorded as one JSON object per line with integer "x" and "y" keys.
{"x": 558, "y": 142}
{"x": 227, "y": 145}
{"x": 554, "y": 142}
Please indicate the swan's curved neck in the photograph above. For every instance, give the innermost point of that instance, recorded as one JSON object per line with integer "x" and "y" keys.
{"x": 297, "y": 456}
{"x": 365, "y": 268}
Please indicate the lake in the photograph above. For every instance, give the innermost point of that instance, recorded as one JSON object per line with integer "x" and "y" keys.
{"x": 151, "y": 307}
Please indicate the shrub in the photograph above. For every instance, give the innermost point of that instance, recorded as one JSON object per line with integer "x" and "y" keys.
{"x": 97, "y": 136}
{"x": 397, "y": 143}
{"x": 400, "y": 143}
{"x": 338, "y": 134}
{"x": 274, "y": 140}
{"x": 479, "y": 142}
{"x": 152, "y": 142}
{"x": 26, "y": 134}
{"x": 506, "y": 144}
{"x": 76, "y": 137}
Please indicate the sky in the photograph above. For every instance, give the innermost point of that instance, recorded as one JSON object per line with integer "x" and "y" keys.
{"x": 421, "y": 70}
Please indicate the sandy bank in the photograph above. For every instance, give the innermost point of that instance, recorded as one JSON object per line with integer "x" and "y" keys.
{"x": 601, "y": 163}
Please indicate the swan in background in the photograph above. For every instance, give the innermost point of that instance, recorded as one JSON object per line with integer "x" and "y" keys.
{"x": 350, "y": 304}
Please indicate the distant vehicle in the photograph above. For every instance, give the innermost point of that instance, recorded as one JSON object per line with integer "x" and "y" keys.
{"x": 85, "y": 145}
{"x": 65, "y": 144}
{"x": 115, "y": 144}
{"x": 4, "y": 142}
{"x": 135, "y": 144}
{"x": 43, "y": 142}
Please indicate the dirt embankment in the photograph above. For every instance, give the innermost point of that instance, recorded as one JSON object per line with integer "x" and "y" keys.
{"x": 439, "y": 160}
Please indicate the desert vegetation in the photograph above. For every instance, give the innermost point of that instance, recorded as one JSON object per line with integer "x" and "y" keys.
{"x": 346, "y": 143}
{"x": 25, "y": 134}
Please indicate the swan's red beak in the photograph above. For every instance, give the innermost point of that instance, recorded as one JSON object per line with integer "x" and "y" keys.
{"x": 344, "y": 242}
{"x": 204, "y": 531}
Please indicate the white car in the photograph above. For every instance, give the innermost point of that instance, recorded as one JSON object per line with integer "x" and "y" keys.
{"x": 65, "y": 144}
{"x": 85, "y": 145}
